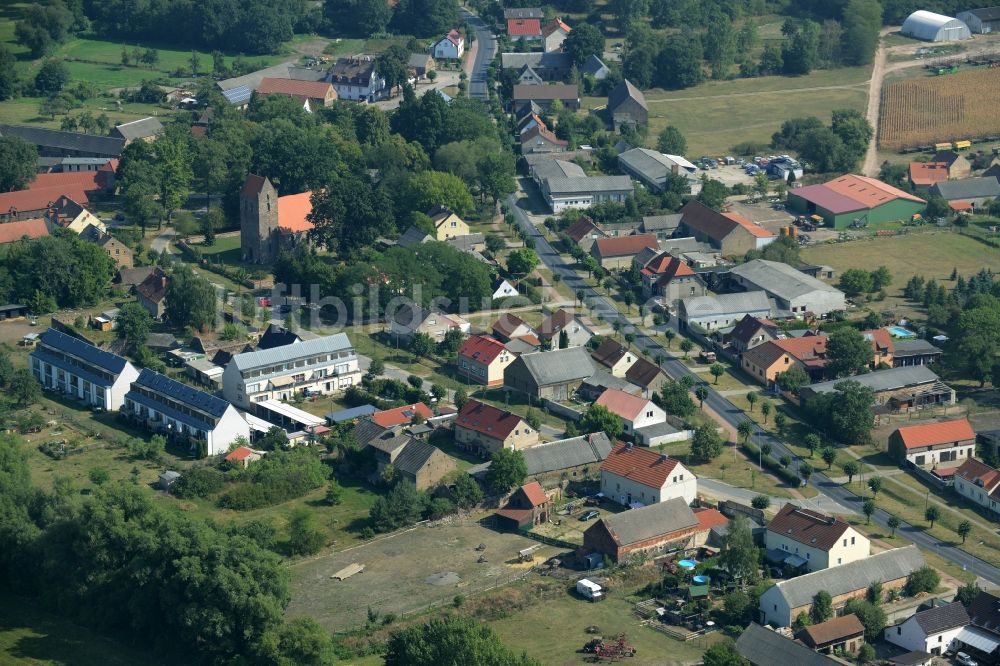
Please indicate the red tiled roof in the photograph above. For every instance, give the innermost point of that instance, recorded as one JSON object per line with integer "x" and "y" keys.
{"x": 40, "y": 198}
{"x": 535, "y": 493}
{"x": 807, "y": 349}
{"x": 454, "y": 37}
{"x": 481, "y": 349}
{"x": 641, "y": 465}
{"x": 811, "y": 528}
{"x": 977, "y": 472}
{"x": 488, "y": 420}
{"x": 507, "y": 324}
{"x": 930, "y": 434}
{"x": 15, "y": 231}
{"x": 716, "y": 225}
{"x": 87, "y": 181}
{"x": 960, "y": 206}
{"x": 927, "y": 173}
{"x": 294, "y": 88}
{"x": 294, "y": 210}
{"x": 555, "y": 24}
{"x": 754, "y": 229}
{"x": 881, "y": 340}
{"x": 709, "y": 518}
{"x": 240, "y": 453}
{"x": 621, "y": 403}
{"x": 524, "y": 27}
{"x": 400, "y": 415}
{"x": 623, "y": 246}
{"x": 529, "y": 135}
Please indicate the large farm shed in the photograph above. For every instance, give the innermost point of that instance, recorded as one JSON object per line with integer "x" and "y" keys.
{"x": 843, "y": 200}
{"x": 981, "y": 21}
{"x": 932, "y": 27}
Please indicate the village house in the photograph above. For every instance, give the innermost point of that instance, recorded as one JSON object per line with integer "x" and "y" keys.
{"x": 74, "y": 367}
{"x": 927, "y": 174}
{"x": 647, "y": 376}
{"x": 652, "y": 169}
{"x": 784, "y": 601}
{"x": 667, "y": 277}
{"x": 144, "y": 129}
{"x": 420, "y": 64}
{"x": 712, "y": 312}
{"x": 957, "y": 164}
{"x": 449, "y": 47}
{"x": 632, "y": 475}
{"x": 660, "y": 528}
{"x": 584, "y": 232}
{"x": 552, "y": 328}
{"x": 969, "y": 191}
{"x": 751, "y": 332}
{"x": 59, "y": 143}
{"x": 119, "y": 252}
{"x": 551, "y": 66}
{"x": 552, "y": 462}
{"x": 662, "y": 226}
{"x": 243, "y": 456}
{"x": 151, "y": 293}
{"x": 978, "y": 482}
{"x": 899, "y": 389}
{"x": 944, "y": 443}
{"x": 483, "y": 360}
{"x": 768, "y": 360}
{"x": 410, "y": 319}
{"x": 12, "y": 232}
{"x": 269, "y": 223}
{"x": 763, "y": 647}
{"x": 526, "y": 507}
{"x": 805, "y": 538}
{"x": 931, "y": 631}
{"x": 320, "y": 366}
{"x": 313, "y": 95}
{"x": 509, "y": 327}
{"x": 545, "y": 96}
{"x": 356, "y": 78}
{"x": 844, "y": 634}
{"x": 731, "y": 233}
{"x": 981, "y": 637}
{"x": 554, "y": 375}
{"x": 627, "y": 106}
{"x": 412, "y": 460}
{"x": 562, "y": 193}
{"x": 447, "y": 223}
{"x": 485, "y": 429}
{"x": 618, "y": 253}
{"x": 792, "y": 290}
{"x": 162, "y": 404}
{"x": 540, "y": 139}
{"x": 399, "y": 416}
{"x": 524, "y": 23}
{"x": 635, "y": 412}
{"x": 914, "y": 352}
{"x": 614, "y": 356}
{"x": 554, "y": 33}
{"x": 595, "y": 67}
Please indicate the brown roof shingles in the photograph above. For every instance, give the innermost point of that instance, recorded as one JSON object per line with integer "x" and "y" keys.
{"x": 641, "y": 465}
{"x": 811, "y": 528}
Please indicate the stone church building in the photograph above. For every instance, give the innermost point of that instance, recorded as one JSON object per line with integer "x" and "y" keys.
{"x": 269, "y": 223}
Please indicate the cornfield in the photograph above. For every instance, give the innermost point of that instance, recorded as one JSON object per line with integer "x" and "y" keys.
{"x": 925, "y": 111}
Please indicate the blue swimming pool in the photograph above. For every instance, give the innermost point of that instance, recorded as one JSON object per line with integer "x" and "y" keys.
{"x": 900, "y": 332}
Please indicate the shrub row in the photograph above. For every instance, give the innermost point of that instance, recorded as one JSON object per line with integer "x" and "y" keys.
{"x": 772, "y": 465}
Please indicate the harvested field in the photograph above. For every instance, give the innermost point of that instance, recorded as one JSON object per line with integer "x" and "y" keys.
{"x": 953, "y": 107}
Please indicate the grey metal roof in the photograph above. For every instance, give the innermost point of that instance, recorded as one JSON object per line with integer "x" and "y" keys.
{"x": 82, "y": 161}
{"x": 280, "y": 71}
{"x": 653, "y": 165}
{"x": 941, "y": 618}
{"x": 593, "y": 65}
{"x": 350, "y": 414}
{"x": 650, "y": 521}
{"x": 414, "y": 456}
{"x": 661, "y": 222}
{"x": 970, "y": 188}
{"x": 140, "y": 129}
{"x": 913, "y": 347}
{"x": 87, "y": 143}
{"x": 883, "y": 380}
{"x": 566, "y": 453}
{"x": 781, "y": 279}
{"x": 551, "y": 60}
{"x": 238, "y": 95}
{"x": 588, "y": 184}
{"x": 199, "y": 400}
{"x": 551, "y": 168}
{"x": 84, "y": 350}
{"x": 764, "y": 647}
{"x": 267, "y": 357}
{"x": 726, "y": 304}
{"x": 885, "y": 566}
{"x": 558, "y": 366}
{"x": 656, "y": 430}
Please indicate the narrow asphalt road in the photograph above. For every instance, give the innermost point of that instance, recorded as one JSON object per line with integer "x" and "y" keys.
{"x": 733, "y": 415}
{"x": 485, "y": 52}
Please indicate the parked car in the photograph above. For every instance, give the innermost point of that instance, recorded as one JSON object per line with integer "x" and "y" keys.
{"x": 589, "y": 515}
{"x": 965, "y": 660}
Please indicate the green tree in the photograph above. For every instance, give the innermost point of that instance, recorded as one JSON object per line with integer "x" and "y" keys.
{"x": 22, "y": 388}
{"x": 297, "y": 642}
{"x": 190, "y": 299}
{"x": 723, "y": 653}
{"x": 740, "y": 556}
{"x": 931, "y": 514}
{"x": 18, "y": 163}
{"x": 822, "y": 607}
{"x": 924, "y": 579}
{"x": 871, "y": 616}
{"x": 967, "y": 593}
{"x": 52, "y": 77}
{"x": 496, "y": 175}
{"x": 451, "y": 639}
{"x": 713, "y": 192}
{"x": 875, "y": 594}
{"x": 675, "y": 399}
{"x": 761, "y": 502}
{"x": 133, "y": 324}
{"x": 522, "y": 262}
{"x": 805, "y": 471}
{"x": 599, "y": 418}
{"x": 752, "y": 400}
{"x": 304, "y": 536}
{"x": 793, "y": 379}
{"x": 532, "y": 419}
{"x": 679, "y": 63}
{"x": 937, "y": 207}
{"x": 964, "y": 529}
{"x": 744, "y": 429}
{"x": 849, "y": 352}
{"x": 765, "y": 409}
{"x": 846, "y": 413}
{"x": 862, "y": 22}
{"x": 400, "y": 507}
{"x": 875, "y": 485}
{"x": 507, "y": 470}
{"x": 851, "y": 469}
{"x": 800, "y": 53}
{"x": 893, "y": 524}
{"x": 717, "y": 370}
{"x": 671, "y": 141}
{"x": 357, "y": 18}
{"x": 584, "y": 41}
{"x": 334, "y": 493}
{"x": 702, "y": 394}
{"x": 977, "y": 340}
{"x": 780, "y": 421}
{"x": 466, "y": 492}
{"x": 706, "y": 445}
{"x": 868, "y": 508}
{"x": 855, "y": 281}
{"x": 881, "y": 278}
{"x": 98, "y": 476}
{"x": 686, "y": 347}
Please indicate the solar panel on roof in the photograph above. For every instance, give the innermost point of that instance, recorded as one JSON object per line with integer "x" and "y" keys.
{"x": 238, "y": 95}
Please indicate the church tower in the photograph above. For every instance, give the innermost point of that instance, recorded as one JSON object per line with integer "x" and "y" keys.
{"x": 258, "y": 219}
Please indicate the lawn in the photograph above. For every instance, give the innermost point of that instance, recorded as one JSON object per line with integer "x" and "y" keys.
{"x": 553, "y": 632}
{"x": 716, "y": 115}
{"x": 32, "y": 637}
{"x": 226, "y": 249}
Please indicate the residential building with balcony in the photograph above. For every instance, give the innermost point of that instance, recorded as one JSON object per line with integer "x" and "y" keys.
{"x": 322, "y": 365}
{"x": 184, "y": 413}
{"x": 78, "y": 369}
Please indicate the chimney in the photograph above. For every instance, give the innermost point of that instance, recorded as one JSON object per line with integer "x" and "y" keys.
{"x": 675, "y": 169}
{"x": 163, "y": 281}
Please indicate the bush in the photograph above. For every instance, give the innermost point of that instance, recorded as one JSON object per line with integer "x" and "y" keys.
{"x": 924, "y": 579}
{"x": 278, "y": 477}
{"x": 198, "y": 482}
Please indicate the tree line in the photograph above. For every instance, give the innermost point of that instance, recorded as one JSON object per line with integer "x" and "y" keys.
{"x": 364, "y": 18}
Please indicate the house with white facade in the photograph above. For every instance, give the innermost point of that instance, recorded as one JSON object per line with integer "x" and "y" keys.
{"x": 931, "y": 631}
{"x": 614, "y": 356}
{"x": 722, "y": 310}
{"x": 322, "y": 365}
{"x": 634, "y": 411}
{"x": 561, "y": 194}
{"x": 806, "y": 538}
{"x": 978, "y": 482}
{"x": 503, "y": 288}
{"x": 356, "y": 78}
{"x": 182, "y": 412}
{"x": 791, "y": 289}
{"x": 944, "y": 443}
{"x": 451, "y": 46}
{"x": 78, "y": 369}
{"x": 632, "y": 476}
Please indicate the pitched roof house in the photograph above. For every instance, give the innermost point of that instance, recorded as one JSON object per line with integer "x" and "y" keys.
{"x": 313, "y": 94}
{"x": 614, "y": 356}
{"x": 983, "y": 631}
{"x": 844, "y": 634}
{"x": 509, "y": 326}
{"x": 553, "y": 34}
{"x": 627, "y": 105}
{"x": 731, "y": 233}
{"x": 553, "y": 374}
{"x": 523, "y": 23}
{"x": 483, "y": 360}
{"x": 647, "y": 376}
{"x": 422, "y": 464}
{"x": 389, "y": 418}
{"x": 813, "y": 540}
{"x": 412, "y": 319}
{"x": 670, "y": 278}
{"x": 562, "y": 320}
{"x": 619, "y": 252}
{"x": 926, "y": 174}
{"x": 768, "y": 360}
{"x": 145, "y": 129}
{"x": 11, "y": 232}
{"x": 584, "y": 232}
{"x": 451, "y": 46}
{"x": 764, "y": 647}
{"x": 722, "y": 310}
{"x": 526, "y": 507}
{"x": 931, "y": 630}
{"x": 485, "y": 429}
{"x": 979, "y": 483}
{"x": 635, "y": 412}
{"x": 750, "y": 332}
{"x": 152, "y": 293}
{"x": 632, "y": 474}
{"x": 791, "y": 289}
{"x": 933, "y": 444}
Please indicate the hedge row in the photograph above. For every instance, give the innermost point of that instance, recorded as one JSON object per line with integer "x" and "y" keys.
{"x": 772, "y": 465}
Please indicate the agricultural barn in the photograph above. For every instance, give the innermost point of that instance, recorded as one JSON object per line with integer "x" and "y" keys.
{"x": 932, "y": 27}
{"x": 843, "y": 200}
{"x": 981, "y": 21}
